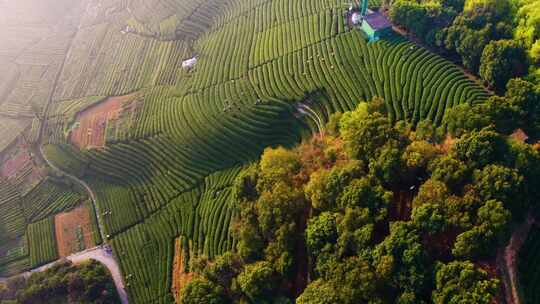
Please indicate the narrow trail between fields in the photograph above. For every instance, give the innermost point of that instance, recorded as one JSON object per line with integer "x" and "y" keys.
{"x": 507, "y": 259}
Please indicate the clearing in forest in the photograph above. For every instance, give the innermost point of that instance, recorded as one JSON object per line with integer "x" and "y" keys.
{"x": 103, "y": 121}
{"x": 74, "y": 231}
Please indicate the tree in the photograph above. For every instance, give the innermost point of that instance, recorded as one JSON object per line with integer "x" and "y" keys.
{"x": 367, "y": 193}
{"x": 418, "y": 155}
{"x": 464, "y": 118}
{"x": 452, "y": 172}
{"x": 526, "y": 97}
{"x": 387, "y": 165}
{"x": 411, "y": 15}
{"x": 364, "y": 134}
{"x": 349, "y": 282}
{"x": 430, "y": 218}
{"x": 200, "y": 291}
{"x": 480, "y": 148}
{"x": 277, "y": 165}
{"x": 319, "y": 292}
{"x": 257, "y": 280}
{"x": 431, "y": 192}
{"x": 491, "y": 231}
{"x": 325, "y": 185}
{"x": 400, "y": 259}
{"x": 462, "y": 282}
{"x": 502, "y": 60}
{"x": 495, "y": 182}
{"x": 321, "y": 232}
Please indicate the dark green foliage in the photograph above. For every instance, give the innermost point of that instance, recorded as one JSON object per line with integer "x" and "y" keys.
{"x": 480, "y": 148}
{"x": 257, "y": 281}
{"x": 348, "y": 282}
{"x": 200, "y": 291}
{"x": 462, "y": 282}
{"x": 364, "y": 137}
{"x": 400, "y": 259}
{"x": 491, "y": 230}
{"x": 89, "y": 282}
{"x": 529, "y": 266}
{"x": 321, "y": 231}
{"x": 502, "y": 60}
{"x": 502, "y": 184}
{"x": 366, "y": 193}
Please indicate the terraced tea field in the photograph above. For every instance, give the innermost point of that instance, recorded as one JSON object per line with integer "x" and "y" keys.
{"x": 166, "y": 170}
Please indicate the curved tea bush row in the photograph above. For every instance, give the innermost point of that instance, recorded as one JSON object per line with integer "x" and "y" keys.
{"x": 12, "y": 220}
{"x": 48, "y": 198}
{"x": 146, "y": 251}
{"x": 42, "y": 242}
{"x": 105, "y": 62}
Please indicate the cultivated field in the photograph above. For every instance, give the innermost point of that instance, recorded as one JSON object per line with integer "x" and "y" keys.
{"x": 94, "y": 125}
{"x": 74, "y": 231}
{"x": 166, "y": 163}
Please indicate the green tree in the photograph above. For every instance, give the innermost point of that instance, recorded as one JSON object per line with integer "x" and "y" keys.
{"x": 502, "y": 60}
{"x": 364, "y": 134}
{"x": 452, "y": 172}
{"x": 480, "y": 148}
{"x": 200, "y": 291}
{"x": 462, "y": 282}
{"x": 491, "y": 231}
{"x": 349, "y": 282}
{"x": 430, "y": 218}
{"x": 321, "y": 232}
{"x": 319, "y": 292}
{"x": 400, "y": 259}
{"x": 257, "y": 280}
{"x": 367, "y": 193}
{"x": 431, "y": 192}
{"x": 325, "y": 185}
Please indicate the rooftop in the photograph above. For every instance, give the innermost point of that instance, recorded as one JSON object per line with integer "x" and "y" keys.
{"x": 377, "y": 21}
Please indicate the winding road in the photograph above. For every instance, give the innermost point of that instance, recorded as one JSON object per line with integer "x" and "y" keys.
{"x": 102, "y": 254}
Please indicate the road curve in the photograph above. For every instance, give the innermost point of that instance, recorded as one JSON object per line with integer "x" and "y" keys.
{"x": 102, "y": 254}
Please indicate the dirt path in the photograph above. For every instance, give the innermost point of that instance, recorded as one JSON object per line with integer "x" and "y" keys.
{"x": 507, "y": 259}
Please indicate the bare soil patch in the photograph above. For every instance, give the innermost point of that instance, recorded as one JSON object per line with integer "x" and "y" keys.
{"x": 74, "y": 231}
{"x": 179, "y": 276}
{"x": 92, "y": 122}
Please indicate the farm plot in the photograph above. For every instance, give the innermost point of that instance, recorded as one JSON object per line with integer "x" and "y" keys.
{"x": 16, "y": 127}
{"x": 17, "y": 164}
{"x": 108, "y": 119}
{"x": 42, "y": 242}
{"x": 74, "y": 231}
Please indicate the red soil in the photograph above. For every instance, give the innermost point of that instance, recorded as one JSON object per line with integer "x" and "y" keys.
{"x": 66, "y": 225}
{"x": 90, "y": 133}
{"x": 10, "y": 167}
{"x": 180, "y": 277}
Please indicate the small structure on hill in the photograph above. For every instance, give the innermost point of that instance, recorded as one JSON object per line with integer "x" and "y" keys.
{"x": 374, "y": 24}
{"x": 188, "y": 64}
